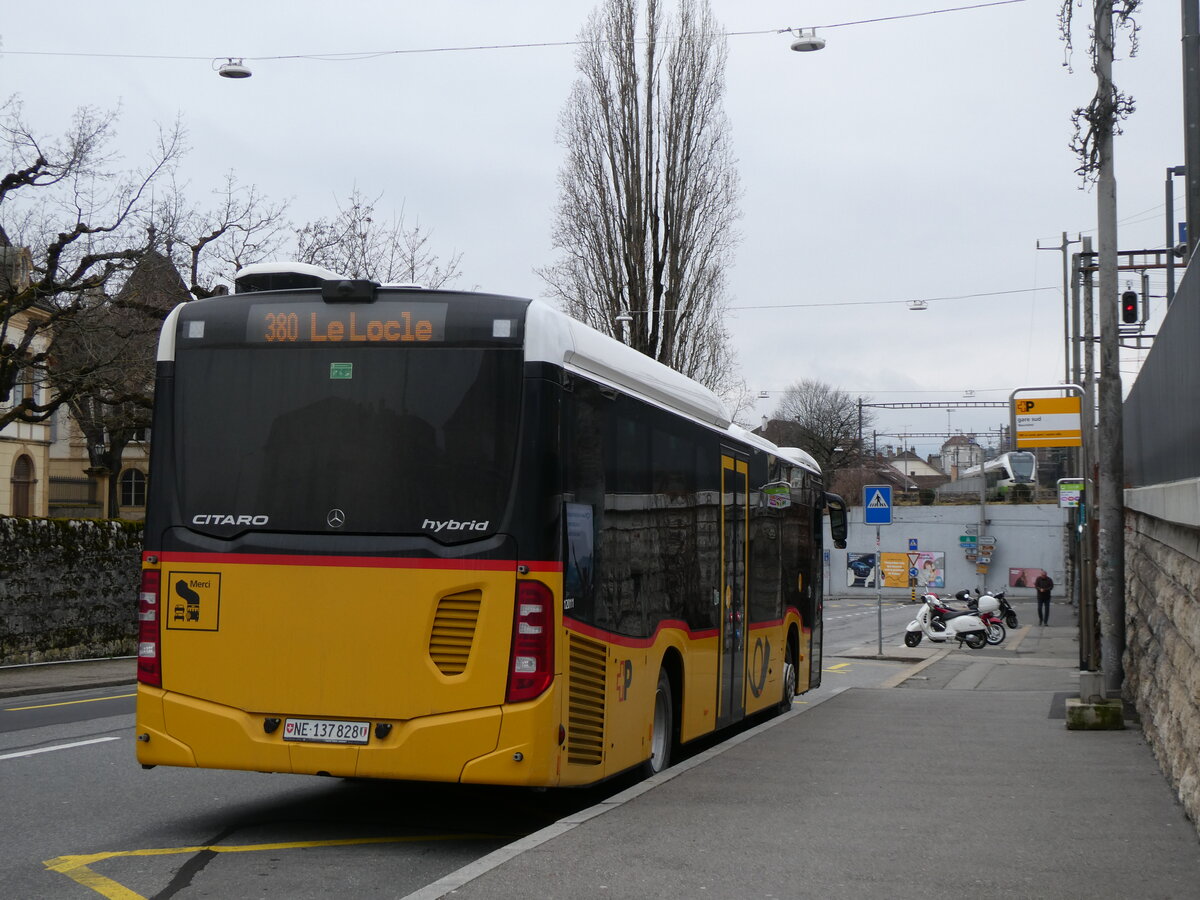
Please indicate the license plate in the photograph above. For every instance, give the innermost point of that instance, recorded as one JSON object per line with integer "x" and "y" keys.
{"x": 326, "y": 731}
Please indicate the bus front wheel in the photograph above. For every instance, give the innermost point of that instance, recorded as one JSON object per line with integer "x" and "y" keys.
{"x": 789, "y": 678}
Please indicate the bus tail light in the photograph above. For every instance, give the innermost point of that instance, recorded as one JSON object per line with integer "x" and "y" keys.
{"x": 531, "y": 667}
{"x": 149, "y": 665}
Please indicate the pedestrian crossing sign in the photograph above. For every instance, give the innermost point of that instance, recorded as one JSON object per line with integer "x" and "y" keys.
{"x": 877, "y": 504}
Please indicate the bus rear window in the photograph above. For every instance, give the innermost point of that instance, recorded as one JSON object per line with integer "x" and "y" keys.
{"x": 377, "y": 440}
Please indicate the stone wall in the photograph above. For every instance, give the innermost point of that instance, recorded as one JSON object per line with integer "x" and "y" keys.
{"x": 68, "y": 589}
{"x": 1162, "y": 653}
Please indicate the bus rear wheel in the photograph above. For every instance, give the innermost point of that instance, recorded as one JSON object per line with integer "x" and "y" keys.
{"x": 662, "y": 727}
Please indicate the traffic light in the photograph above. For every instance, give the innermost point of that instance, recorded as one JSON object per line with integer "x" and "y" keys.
{"x": 1130, "y": 314}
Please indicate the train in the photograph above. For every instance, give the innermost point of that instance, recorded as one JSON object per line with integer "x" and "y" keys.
{"x": 996, "y": 478}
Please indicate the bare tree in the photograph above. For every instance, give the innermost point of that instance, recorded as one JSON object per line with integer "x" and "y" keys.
{"x": 209, "y": 244}
{"x": 114, "y": 340}
{"x": 1110, "y": 106}
{"x": 648, "y": 192}
{"x": 69, "y": 212}
{"x": 356, "y": 243}
{"x": 822, "y": 420}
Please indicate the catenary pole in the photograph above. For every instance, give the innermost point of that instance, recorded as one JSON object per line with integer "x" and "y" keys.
{"x": 1191, "y": 120}
{"x": 1110, "y": 455}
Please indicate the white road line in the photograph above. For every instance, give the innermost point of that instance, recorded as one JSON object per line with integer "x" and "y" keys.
{"x": 59, "y": 747}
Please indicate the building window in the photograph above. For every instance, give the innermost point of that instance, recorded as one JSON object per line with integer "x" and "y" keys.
{"x": 133, "y": 488}
{"x": 23, "y": 481}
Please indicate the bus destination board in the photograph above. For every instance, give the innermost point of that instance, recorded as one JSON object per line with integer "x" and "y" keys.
{"x": 320, "y": 323}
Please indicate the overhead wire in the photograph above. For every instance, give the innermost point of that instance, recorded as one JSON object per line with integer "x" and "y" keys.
{"x": 908, "y": 300}
{"x": 356, "y": 56}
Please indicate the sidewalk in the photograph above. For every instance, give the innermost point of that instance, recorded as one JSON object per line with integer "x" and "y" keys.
{"x": 1033, "y": 657}
{"x": 957, "y": 779}
{"x": 44, "y": 678}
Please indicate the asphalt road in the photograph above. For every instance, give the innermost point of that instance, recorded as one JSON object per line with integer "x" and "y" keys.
{"x": 82, "y": 819}
{"x": 853, "y": 623}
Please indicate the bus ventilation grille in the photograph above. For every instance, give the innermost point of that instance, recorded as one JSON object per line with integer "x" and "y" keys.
{"x": 585, "y": 714}
{"x": 454, "y": 631}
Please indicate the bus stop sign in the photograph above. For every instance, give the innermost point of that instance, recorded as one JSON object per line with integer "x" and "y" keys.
{"x": 877, "y": 504}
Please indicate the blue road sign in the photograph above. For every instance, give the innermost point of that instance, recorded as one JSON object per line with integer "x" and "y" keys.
{"x": 912, "y": 545}
{"x": 877, "y": 504}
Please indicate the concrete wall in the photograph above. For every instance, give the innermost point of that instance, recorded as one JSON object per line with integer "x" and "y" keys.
{"x": 1162, "y": 644}
{"x": 1028, "y": 535}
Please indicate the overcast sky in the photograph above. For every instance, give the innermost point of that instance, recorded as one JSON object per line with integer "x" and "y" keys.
{"x": 916, "y": 158}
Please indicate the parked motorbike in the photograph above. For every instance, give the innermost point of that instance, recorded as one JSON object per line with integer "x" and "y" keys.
{"x": 941, "y": 625}
{"x": 995, "y": 603}
{"x": 988, "y": 610}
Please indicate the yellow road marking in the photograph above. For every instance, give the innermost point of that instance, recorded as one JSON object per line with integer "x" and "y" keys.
{"x": 836, "y": 668}
{"x": 76, "y": 867}
{"x": 68, "y": 703}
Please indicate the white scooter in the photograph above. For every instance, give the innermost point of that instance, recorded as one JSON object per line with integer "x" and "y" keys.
{"x": 987, "y": 607}
{"x": 940, "y": 627}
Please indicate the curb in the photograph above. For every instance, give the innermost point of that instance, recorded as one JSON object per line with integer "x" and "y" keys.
{"x": 908, "y": 673}
{"x": 63, "y": 688}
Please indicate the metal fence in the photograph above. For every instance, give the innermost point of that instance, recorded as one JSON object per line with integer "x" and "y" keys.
{"x": 74, "y": 498}
{"x": 1162, "y": 410}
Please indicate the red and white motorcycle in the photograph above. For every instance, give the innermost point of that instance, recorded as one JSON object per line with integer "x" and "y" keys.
{"x": 996, "y": 603}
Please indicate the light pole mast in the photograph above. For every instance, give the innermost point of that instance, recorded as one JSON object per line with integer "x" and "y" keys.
{"x": 1191, "y": 120}
{"x": 1111, "y": 457}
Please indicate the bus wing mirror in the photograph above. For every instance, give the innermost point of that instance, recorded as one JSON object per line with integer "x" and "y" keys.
{"x": 838, "y": 527}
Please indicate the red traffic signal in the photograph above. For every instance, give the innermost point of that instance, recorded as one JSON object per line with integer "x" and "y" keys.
{"x": 1130, "y": 314}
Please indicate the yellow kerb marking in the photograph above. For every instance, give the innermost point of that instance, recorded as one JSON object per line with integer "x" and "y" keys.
{"x": 69, "y": 702}
{"x": 77, "y": 867}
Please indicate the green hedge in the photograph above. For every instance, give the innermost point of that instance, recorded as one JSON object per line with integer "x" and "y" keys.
{"x": 68, "y": 588}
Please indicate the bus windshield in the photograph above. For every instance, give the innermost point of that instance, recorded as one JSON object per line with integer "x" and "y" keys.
{"x": 375, "y": 439}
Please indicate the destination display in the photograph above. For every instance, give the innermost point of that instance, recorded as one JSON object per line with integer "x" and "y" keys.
{"x": 322, "y": 323}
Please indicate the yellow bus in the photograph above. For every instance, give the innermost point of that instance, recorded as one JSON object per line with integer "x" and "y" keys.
{"x": 435, "y": 535}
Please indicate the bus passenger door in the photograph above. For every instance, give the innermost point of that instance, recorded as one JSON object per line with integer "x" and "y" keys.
{"x": 734, "y": 512}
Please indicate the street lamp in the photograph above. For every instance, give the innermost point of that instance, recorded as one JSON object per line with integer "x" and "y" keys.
{"x": 806, "y": 43}
{"x": 233, "y": 69}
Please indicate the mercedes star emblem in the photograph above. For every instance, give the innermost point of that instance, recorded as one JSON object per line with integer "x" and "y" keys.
{"x": 336, "y": 518}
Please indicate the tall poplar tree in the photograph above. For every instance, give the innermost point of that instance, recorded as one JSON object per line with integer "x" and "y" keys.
{"x": 649, "y": 187}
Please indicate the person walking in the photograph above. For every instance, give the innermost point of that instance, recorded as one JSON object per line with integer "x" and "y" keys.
{"x": 1043, "y": 585}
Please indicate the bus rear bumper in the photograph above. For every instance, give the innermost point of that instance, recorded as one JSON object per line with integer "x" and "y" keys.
{"x": 493, "y": 745}
{"x": 526, "y": 752}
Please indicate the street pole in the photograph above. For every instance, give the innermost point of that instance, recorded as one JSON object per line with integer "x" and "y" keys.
{"x": 1191, "y": 119}
{"x": 878, "y": 593}
{"x": 1110, "y": 455}
{"x": 1076, "y": 377}
{"x": 1063, "y": 248}
{"x": 1089, "y": 656}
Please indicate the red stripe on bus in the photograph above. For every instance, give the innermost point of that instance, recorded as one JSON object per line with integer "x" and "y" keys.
{"x": 623, "y": 640}
{"x": 807, "y": 629}
{"x": 354, "y": 562}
